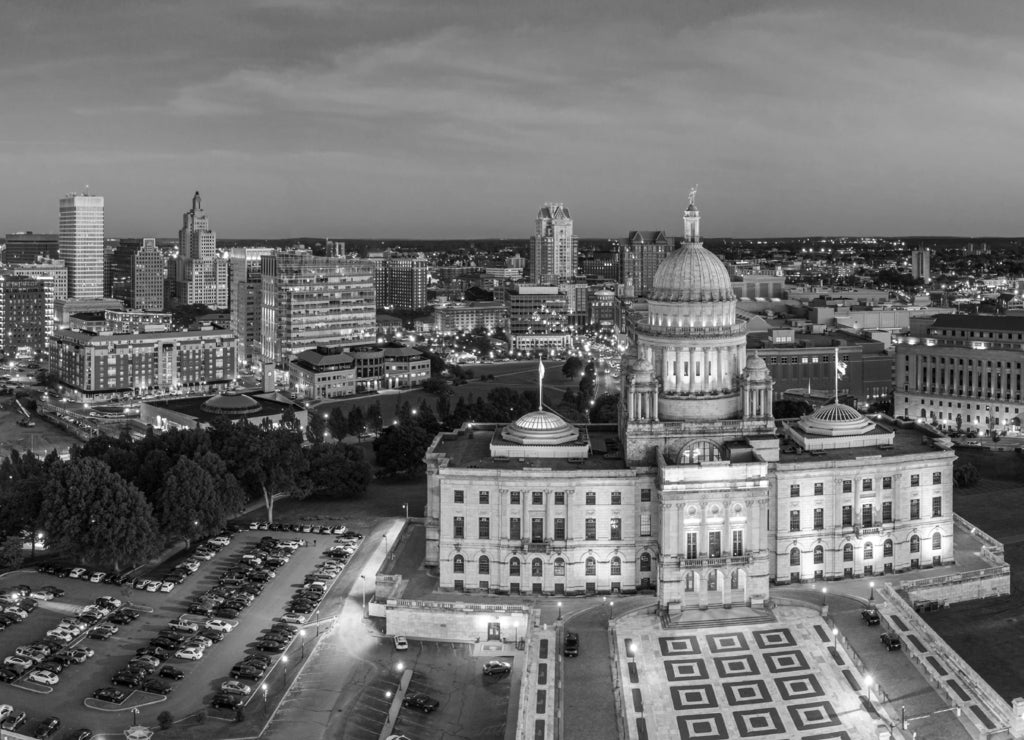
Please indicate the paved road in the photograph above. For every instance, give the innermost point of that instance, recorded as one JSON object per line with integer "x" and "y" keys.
{"x": 588, "y": 708}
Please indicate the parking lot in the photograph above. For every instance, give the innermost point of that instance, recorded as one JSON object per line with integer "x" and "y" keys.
{"x": 202, "y": 678}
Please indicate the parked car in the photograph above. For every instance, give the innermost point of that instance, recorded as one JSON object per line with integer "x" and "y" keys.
{"x": 78, "y": 654}
{"x": 189, "y": 653}
{"x": 47, "y": 678}
{"x": 571, "y": 646}
{"x": 249, "y": 672}
{"x": 293, "y": 618}
{"x": 401, "y": 643}
{"x": 870, "y": 616}
{"x": 103, "y": 632}
{"x": 155, "y": 686}
{"x": 6, "y": 710}
{"x": 496, "y": 667}
{"x": 126, "y": 678}
{"x": 236, "y": 687}
{"x": 270, "y": 646}
{"x": 227, "y": 701}
{"x": 47, "y": 727}
{"x": 171, "y": 672}
{"x": 13, "y": 722}
{"x": 77, "y": 572}
{"x": 891, "y": 641}
{"x": 114, "y": 696}
{"x": 416, "y": 700}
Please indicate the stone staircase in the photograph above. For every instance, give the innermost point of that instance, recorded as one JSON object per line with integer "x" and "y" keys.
{"x": 713, "y": 618}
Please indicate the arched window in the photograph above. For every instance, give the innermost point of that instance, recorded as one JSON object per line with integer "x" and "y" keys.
{"x": 700, "y": 450}
{"x": 713, "y": 580}
{"x": 819, "y": 554}
{"x": 559, "y": 566}
{"x": 794, "y": 556}
{"x": 513, "y": 567}
{"x": 915, "y": 544}
{"x": 484, "y": 565}
{"x": 689, "y": 581}
{"x": 459, "y": 564}
{"x": 537, "y": 568}
{"x": 869, "y": 551}
{"x": 937, "y": 541}
{"x": 734, "y": 580}
{"x": 591, "y": 567}
{"x": 616, "y": 567}
{"x": 847, "y": 553}
{"x": 887, "y": 549}
{"x": 645, "y": 561}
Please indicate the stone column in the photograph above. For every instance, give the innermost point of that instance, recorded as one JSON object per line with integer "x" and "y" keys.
{"x": 719, "y": 375}
{"x": 678, "y": 385}
{"x": 693, "y": 354}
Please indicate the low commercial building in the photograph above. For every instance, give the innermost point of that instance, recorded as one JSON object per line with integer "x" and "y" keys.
{"x": 324, "y": 372}
{"x": 200, "y": 412}
{"x": 332, "y": 372}
{"x": 454, "y": 317}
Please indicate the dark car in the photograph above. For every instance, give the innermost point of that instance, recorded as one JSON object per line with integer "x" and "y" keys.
{"x": 891, "y": 641}
{"x": 270, "y": 646}
{"x": 163, "y": 643}
{"x": 80, "y": 734}
{"x": 51, "y": 665}
{"x": 171, "y": 672}
{"x": 14, "y": 721}
{"x": 226, "y": 613}
{"x": 158, "y": 653}
{"x": 424, "y": 703}
{"x": 57, "y": 592}
{"x": 175, "y": 638}
{"x": 571, "y": 648}
{"x": 119, "y": 618}
{"x": 8, "y": 674}
{"x": 103, "y": 632}
{"x": 250, "y": 672}
{"x": 260, "y": 661}
{"x": 301, "y": 607}
{"x": 114, "y": 696}
{"x": 870, "y": 616}
{"x": 236, "y": 604}
{"x": 156, "y": 686}
{"x": 227, "y": 701}
{"x": 200, "y": 609}
{"x": 47, "y": 727}
{"x": 212, "y": 635}
{"x": 28, "y": 604}
{"x": 124, "y": 678}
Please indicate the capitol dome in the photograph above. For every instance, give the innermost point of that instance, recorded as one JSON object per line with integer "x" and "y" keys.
{"x": 231, "y": 403}
{"x": 692, "y": 274}
{"x": 540, "y": 428}
{"x": 836, "y": 420}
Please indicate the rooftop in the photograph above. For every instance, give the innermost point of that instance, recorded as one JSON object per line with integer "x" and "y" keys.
{"x": 978, "y": 321}
{"x": 904, "y": 442}
{"x": 473, "y": 450}
{"x": 194, "y": 406}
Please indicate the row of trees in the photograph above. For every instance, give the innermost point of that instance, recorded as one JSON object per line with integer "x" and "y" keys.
{"x": 119, "y": 501}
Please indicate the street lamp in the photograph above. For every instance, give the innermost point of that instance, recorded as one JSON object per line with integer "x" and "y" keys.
{"x": 835, "y": 636}
{"x": 302, "y": 634}
{"x": 516, "y": 623}
{"x": 284, "y": 662}
{"x": 400, "y": 666}
{"x": 363, "y": 579}
{"x": 265, "y": 689}
{"x": 406, "y": 507}
{"x": 385, "y": 546}
{"x": 872, "y": 596}
{"x": 559, "y": 611}
{"x": 868, "y": 680}
{"x": 824, "y": 591}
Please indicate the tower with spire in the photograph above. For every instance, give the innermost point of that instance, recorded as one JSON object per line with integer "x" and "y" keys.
{"x": 199, "y": 275}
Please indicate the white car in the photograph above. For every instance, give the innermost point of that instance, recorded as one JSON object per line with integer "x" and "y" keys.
{"x": 18, "y": 662}
{"x": 38, "y": 596}
{"x": 153, "y": 586}
{"x": 71, "y": 625}
{"x": 192, "y": 565}
{"x": 98, "y": 577}
{"x": 6, "y": 710}
{"x": 203, "y": 554}
{"x": 183, "y": 626}
{"x": 116, "y": 603}
{"x": 291, "y": 618}
{"x": 16, "y": 612}
{"x": 44, "y": 677}
{"x": 219, "y": 625}
{"x": 401, "y": 643}
{"x": 189, "y": 653}
{"x": 167, "y": 586}
{"x": 236, "y": 687}
{"x": 76, "y": 573}
{"x": 59, "y": 633}
{"x": 220, "y": 541}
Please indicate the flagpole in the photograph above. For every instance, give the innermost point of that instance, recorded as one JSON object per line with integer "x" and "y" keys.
{"x": 837, "y": 375}
{"x": 540, "y": 384}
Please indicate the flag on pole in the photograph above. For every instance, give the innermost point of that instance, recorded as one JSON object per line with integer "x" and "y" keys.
{"x": 540, "y": 368}
{"x": 840, "y": 367}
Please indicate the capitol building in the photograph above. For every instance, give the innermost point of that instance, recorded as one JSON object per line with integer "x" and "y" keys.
{"x": 697, "y": 492}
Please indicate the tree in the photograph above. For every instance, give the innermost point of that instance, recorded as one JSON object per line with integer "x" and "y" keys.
{"x": 400, "y": 448}
{"x": 338, "y": 471}
{"x": 965, "y": 475}
{"x": 436, "y": 385}
{"x": 572, "y": 367}
{"x": 426, "y": 418}
{"x": 97, "y": 517}
{"x": 229, "y": 493}
{"x": 605, "y": 409}
{"x": 356, "y": 424}
{"x": 289, "y": 420}
{"x": 187, "y": 504}
{"x": 12, "y": 555}
{"x": 788, "y": 409}
{"x": 337, "y": 424}
{"x": 316, "y": 427}
{"x": 374, "y": 420}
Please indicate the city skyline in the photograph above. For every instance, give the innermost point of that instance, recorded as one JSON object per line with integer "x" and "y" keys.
{"x": 404, "y": 120}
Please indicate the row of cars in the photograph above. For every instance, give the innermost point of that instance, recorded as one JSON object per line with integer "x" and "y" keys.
{"x": 302, "y": 528}
{"x": 890, "y": 639}
{"x": 177, "y": 575}
{"x": 14, "y": 721}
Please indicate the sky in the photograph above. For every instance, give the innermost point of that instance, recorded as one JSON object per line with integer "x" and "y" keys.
{"x": 428, "y": 119}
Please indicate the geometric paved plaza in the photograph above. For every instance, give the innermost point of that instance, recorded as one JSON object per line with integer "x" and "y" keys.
{"x": 778, "y": 680}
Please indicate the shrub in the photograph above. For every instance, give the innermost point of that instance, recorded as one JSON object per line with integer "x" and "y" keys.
{"x": 165, "y": 720}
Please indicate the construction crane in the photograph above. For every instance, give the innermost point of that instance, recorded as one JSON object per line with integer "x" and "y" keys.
{"x": 26, "y": 421}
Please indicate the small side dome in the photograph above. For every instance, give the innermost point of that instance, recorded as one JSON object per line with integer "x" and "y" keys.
{"x": 757, "y": 368}
{"x": 231, "y": 403}
{"x": 540, "y": 428}
{"x": 836, "y": 420}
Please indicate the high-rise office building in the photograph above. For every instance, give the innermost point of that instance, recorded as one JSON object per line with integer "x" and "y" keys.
{"x": 640, "y": 257}
{"x": 199, "y": 275}
{"x": 81, "y": 244}
{"x": 309, "y": 301}
{"x": 24, "y": 246}
{"x": 400, "y": 284}
{"x": 23, "y": 319}
{"x": 921, "y": 264}
{"x": 553, "y": 248}
{"x": 245, "y": 290}
{"x": 148, "y": 267}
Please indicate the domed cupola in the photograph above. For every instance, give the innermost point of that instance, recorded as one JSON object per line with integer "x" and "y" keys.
{"x": 692, "y": 274}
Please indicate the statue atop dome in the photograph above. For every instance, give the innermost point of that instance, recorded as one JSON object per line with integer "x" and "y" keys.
{"x": 693, "y": 196}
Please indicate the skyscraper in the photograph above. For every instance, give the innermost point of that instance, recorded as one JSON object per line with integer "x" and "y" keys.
{"x": 199, "y": 275}
{"x": 309, "y": 301}
{"x": 81, "y": 244}
{"x": 23, "y": 320}
{"x": 921, "y": 264}
{"x": 553, "y": 248}
{"x": 245, "y": 292}
{"x": 147, "y": 283}
{"x": 640, "y": 257}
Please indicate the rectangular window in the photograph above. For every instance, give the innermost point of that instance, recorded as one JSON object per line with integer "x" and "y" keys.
{"x": 915, "y": 544}
{"x": 936, "y": 505}
{"x": 591, "y": 499}
{"x": 559, "y": 567}
{"x": 559, "y": 498}
{"x": 514, "y": 498}
{"x": 515, "y": 526}
{"x": 887, "y": 483}
{"x": 616, "y": 498}
{"x": 538, "y": 498}
{"x": 794, "y": 521}
{"x": 915, "y": 508}
{"x": 537, "y": 530}
{"x": 847, "y": 516}
{"x": 887, "y": 512}
{"x": 936, "y": 478}
{"x": 915, "y": 480}
{"x": 645, "y": 525}
{"x": 460, "y": 497}
{"x": 691, "y": 545}
{"x": 868, "y": 484}
{"x": 591, "y": 530}
{"x": 485, "y": 497}
{"x": 559, "y": 528}
{"x": 714, "y": 544}
{"x": 866, "y": 515}
{"x": 485, "y": 528}
{"x": 591, "y": 567}
{"x": 847, "y": 486}
{"x": 645, "y": 495}
{"x": 848, "y": 554}
{"x": 794, "y": 490}
{"x": 819, "y": 518}
{"x": 459, "y": 528}
{"x": 737, "y": 543}
{"x": 484, "y": 567}
{"x": 616, "y": 528}
{"x": 819, "y": 489}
